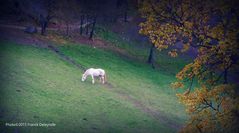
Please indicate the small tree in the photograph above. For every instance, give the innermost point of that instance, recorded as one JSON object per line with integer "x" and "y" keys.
{"x": 123, "y": 6}
{"x": 82, "y": 18}
{"x": 44, "y": 18}
{"x": 93, "y": 27}
{"x": 66, "y": 12}
{"x": 151, "y": 56}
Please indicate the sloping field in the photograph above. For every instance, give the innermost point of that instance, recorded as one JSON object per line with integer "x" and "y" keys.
{"x": 37, "y": 86}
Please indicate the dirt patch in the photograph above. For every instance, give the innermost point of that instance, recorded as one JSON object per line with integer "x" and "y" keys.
{"x": 20, "y": 37}
{"x": 17, "y": 34}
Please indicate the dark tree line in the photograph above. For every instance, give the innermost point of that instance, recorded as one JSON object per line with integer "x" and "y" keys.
{"x": 87, "y": 12}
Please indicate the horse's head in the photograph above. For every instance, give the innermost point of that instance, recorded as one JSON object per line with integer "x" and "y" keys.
{"x": 83, "y": 77}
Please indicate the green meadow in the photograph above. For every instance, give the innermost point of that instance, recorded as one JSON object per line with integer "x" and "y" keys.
{"x": 38, "y": 86}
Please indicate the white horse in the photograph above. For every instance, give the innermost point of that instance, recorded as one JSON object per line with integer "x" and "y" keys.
{"x": 95, "y": 73}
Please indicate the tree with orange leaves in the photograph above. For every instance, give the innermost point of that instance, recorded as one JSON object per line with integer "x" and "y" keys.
{"x": 212, "y": 28}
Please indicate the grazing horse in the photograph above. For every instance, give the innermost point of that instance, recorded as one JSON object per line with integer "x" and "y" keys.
{"x": 95, "y": 73}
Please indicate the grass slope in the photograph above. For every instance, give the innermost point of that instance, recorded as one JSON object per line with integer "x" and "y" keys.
{"x": 141, "y": 51}
{"x": 37, "y": 86}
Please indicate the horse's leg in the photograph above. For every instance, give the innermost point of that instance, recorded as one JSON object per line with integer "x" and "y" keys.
{"x": 93, "y": 80}
{"x": 100, "y": 79}
{"x": 103, "y": 80}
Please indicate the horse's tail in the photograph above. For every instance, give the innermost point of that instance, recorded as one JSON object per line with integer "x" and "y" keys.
{"x": 105, "y": 77}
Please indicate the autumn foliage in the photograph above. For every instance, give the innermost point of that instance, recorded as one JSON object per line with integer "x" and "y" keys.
{"x": 212, "y": 28}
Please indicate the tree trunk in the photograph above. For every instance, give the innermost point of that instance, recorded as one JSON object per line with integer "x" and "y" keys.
{"x": 87, "y": 25}
{"x": 225, "y": 76}
{"x": 43, "y": 28}
{"x": 151, "y": 56}
{"x": 43, "y": 23}
{"x": 67, "y": 29}
{"x": 93, "y": 28}
{"x": 81, "y": 24}
{"x": 125, "y": 16}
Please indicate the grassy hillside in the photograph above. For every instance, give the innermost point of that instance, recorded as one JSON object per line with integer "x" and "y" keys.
{"x": 37, "y": 86}
{"x": 141, "y": 50}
